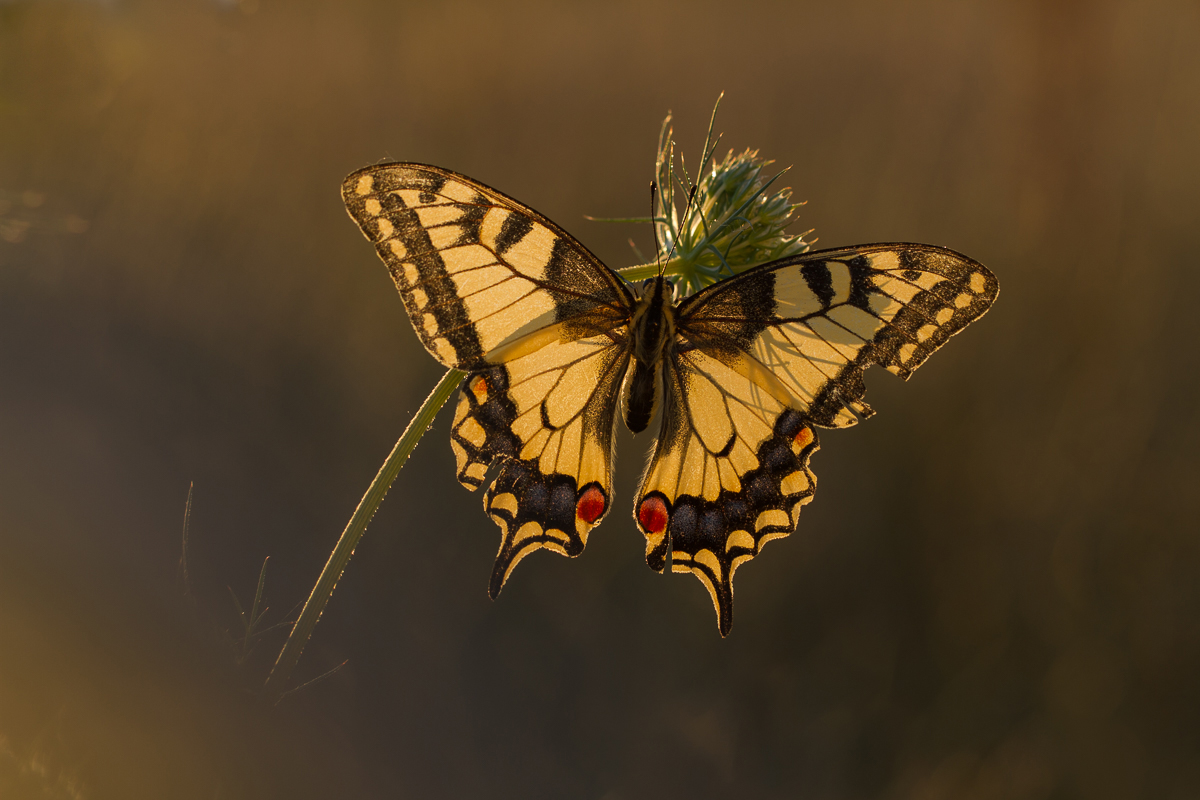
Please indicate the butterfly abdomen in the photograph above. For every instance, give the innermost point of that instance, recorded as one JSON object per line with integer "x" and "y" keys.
{"x": 652, "y": 329}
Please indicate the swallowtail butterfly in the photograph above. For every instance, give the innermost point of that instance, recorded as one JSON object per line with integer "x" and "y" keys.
{"x": 743, "y": 372}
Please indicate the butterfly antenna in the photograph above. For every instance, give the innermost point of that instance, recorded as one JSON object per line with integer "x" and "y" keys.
{"x": 706, "y": 155}
{"x": 686, "y": 209}
{"x": 654, "y": 226}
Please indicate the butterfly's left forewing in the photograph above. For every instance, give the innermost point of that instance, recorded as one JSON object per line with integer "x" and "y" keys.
{"x": 763, "y": 358}
{"x": 475, "y": 267}
{"x": 539, "y": 323}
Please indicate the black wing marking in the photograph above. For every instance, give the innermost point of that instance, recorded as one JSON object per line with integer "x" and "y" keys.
{"x": 495, "y": 288}
{"x": 760, "y": 359}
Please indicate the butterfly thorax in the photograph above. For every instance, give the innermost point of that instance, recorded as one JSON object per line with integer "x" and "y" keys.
{"x": 651, "y": 331}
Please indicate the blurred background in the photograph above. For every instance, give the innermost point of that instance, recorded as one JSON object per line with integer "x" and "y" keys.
{"x": 996, "y": 593}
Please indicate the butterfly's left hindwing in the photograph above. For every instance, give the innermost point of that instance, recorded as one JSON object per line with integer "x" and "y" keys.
{"x": 729, "y": 474}
{"x": 549, "y": 415}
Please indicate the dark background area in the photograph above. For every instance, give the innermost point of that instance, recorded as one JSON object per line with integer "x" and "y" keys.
{"x": 996, "y": 593}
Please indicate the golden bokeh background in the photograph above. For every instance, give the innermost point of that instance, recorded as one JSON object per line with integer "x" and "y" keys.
{"x": 995, "y": 595}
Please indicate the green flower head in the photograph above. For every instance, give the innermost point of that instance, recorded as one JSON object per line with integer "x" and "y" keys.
{"x": 722, "y": 224}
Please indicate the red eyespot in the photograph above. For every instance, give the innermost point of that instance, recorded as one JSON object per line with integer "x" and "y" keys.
{"x": 479, "y": 389}
{"x": 652, "y": 514}
{"x": 591, "y": 505}
{"x": 802, "y": 440}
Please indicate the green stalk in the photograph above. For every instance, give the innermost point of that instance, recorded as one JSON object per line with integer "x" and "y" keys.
{"x": 303, "y": 629}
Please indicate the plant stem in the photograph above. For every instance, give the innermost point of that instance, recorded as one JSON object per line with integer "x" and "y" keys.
{"x": 307, "y": 621}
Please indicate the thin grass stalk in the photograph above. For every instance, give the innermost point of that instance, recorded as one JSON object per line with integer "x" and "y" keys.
{"x": 276, "y": 685}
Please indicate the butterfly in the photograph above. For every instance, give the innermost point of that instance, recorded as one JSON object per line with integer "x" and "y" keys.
{"x": 741, "y": 373}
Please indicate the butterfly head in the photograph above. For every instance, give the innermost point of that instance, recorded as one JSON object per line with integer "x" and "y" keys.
{"x": 659, "y": 286}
